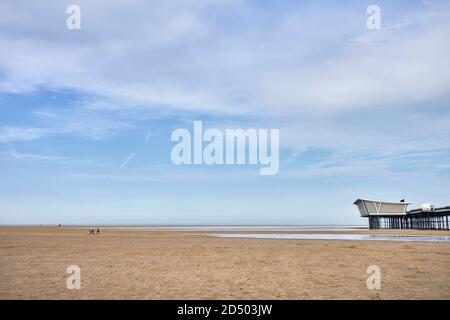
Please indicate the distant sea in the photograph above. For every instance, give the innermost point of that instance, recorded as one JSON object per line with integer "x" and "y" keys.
{"x": 291, "y": 236}
{"x": 245, "y": 227}
{"x": 340, "y": 236}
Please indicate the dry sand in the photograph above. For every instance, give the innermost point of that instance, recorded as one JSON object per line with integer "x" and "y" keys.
{"x": 125, "y": 264}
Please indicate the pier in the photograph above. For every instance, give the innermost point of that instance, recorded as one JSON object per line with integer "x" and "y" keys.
{"x": 394, "y": 215}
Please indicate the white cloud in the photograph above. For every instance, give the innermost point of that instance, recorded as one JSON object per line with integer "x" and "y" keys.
{"x": 8, "y": 134}
{"x": 175, "y": 55}
{"x": 28, "y": 156}
{"x": 306, "y": 71}
{"x": 82, "y": 123}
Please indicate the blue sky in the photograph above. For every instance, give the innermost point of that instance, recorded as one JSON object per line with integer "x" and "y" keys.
{"x": 361, "y": 113}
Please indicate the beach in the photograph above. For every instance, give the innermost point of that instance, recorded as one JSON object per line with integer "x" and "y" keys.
{"x": 180, "y": 263}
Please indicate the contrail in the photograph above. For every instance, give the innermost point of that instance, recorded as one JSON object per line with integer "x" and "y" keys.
{"x": 127, "y": 159}
{"x": 148, "y": 136}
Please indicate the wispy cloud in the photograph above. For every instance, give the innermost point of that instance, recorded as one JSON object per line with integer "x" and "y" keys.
{"x": 8, "y": 133}
{"x": 82, "y": 123}
{"x": 29, "y": 156}
{"x": 227, "y": 76}
{"x": 259, "y": 71}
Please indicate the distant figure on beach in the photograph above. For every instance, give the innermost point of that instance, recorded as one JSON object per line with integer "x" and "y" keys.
{"x": 94, "y": 231}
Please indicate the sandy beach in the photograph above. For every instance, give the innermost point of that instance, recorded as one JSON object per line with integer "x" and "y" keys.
{"x": 181, "y": 264}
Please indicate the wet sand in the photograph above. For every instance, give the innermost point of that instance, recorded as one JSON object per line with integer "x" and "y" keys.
{"x": 180, "y": 264}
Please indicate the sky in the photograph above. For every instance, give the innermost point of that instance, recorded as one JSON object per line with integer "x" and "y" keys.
{"x": 86, "y": 115}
